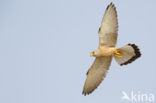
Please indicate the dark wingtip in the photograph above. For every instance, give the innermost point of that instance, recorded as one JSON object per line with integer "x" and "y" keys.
{"x": 88, "y": 92}
{"x": 84, "y": 93}
{"x": 111, "y": 4}
{"x": 137, "y": 54}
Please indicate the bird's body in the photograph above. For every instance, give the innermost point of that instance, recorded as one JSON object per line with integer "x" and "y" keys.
{"x": 106, "y": 51}
{"x": 108, "y": 33}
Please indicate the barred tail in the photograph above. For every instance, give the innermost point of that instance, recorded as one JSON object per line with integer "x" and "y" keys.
{"x": 129, "y": 53}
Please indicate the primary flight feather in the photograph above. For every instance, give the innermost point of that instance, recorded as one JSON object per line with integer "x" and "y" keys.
{"x": 108, "y": 33}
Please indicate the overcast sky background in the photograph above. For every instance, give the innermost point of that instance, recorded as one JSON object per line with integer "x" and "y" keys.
{"x": 45, "y": 50}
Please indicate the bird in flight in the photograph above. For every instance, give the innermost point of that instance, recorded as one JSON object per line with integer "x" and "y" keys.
{"x": 108, "y": 33}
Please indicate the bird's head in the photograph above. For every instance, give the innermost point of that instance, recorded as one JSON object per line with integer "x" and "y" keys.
{"x": 95, "y": 53}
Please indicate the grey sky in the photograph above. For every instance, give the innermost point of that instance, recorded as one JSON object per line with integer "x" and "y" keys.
{"x": 45, "y": 47}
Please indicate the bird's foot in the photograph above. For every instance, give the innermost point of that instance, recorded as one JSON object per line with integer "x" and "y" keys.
{"x": 117, "y": 54}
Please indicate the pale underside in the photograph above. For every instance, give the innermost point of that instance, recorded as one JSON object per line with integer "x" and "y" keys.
{"x": 107, "y": 38}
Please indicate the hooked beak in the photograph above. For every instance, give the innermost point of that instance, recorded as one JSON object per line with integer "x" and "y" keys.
{"x": 92, "y": 53}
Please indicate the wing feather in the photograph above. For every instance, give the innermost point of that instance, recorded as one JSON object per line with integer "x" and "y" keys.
{"x": 109, "y": 27}
{"x": 96, "y": 74}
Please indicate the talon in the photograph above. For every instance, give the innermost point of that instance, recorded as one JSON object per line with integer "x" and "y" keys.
{"x": 118, "y": 54}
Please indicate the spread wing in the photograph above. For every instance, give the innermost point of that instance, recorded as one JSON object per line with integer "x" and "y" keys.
{"x": 109, "y": 27}
{"x": 96, "y": 74}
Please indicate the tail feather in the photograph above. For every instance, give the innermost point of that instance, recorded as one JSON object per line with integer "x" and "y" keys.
{"x": 129, "y": 53}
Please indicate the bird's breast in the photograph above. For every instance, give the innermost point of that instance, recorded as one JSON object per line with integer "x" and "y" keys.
{"x": 107, "y": 51}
